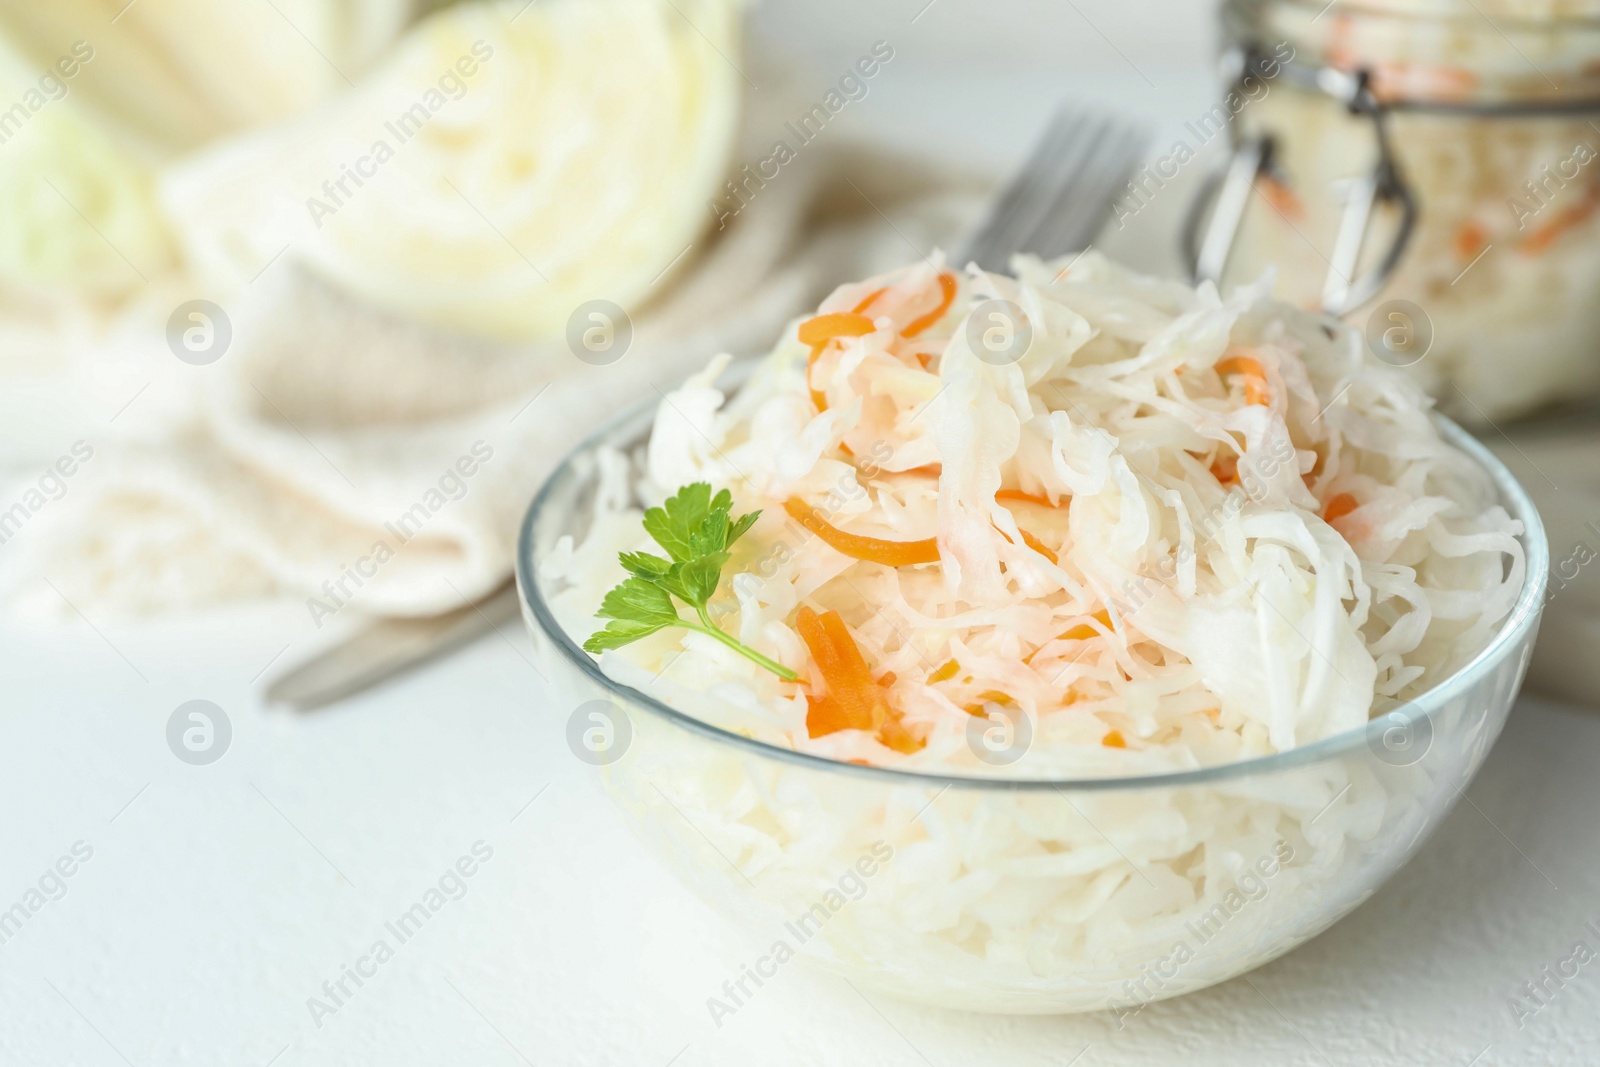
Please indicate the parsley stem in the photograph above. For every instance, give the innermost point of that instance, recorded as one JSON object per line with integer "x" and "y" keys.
{"x": 710, "y": 630}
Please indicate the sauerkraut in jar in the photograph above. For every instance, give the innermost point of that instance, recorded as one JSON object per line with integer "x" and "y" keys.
{"x": 1428, "y": 169}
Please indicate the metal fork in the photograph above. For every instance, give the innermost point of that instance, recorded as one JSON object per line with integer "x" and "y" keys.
{"x": 1060, "y": 199}
{"x": 1056, "y": 204}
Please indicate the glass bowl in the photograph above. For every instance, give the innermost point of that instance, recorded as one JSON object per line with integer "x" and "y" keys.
{"x": 1020, "y": 896}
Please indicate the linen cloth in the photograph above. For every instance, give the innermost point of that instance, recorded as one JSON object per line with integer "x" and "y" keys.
{"x": 325, "y": 455}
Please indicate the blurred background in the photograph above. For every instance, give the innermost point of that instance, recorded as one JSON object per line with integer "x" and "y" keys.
{"x": 1012, "y": 62}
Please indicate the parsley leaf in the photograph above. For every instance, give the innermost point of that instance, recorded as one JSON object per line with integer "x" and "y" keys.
{"x": 737, "y": 530}
{"x": 700, "y": 577}
{"x": 619, "y": 632}
{"x": 695, "y": 529}
{"x": 675, "y": 522}
{"x": 639, "y": 600}
{"x": 644, "y": 565}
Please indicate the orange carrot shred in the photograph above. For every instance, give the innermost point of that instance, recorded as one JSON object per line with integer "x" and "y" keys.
{"x": 947, "y": 296}
{"x": 854, "y": 700}
{"x": 1339, "y": 507}
{"x": 822, "y": 329}
{"x": 1241, "y": 365}
{"x": 1281, "y": 197}
{"x": 1225, "y": 469}
{"x": 1470, "y": 240}
{"x": 1029, "y": 498}
{"x": 825, "y": 716}
{"x": 858, "y": 546}
{"x": 1028, "y": 538}
{"x": 1403, "y": 80}
{"x": 1038, "y": 546}
{"x": 1252, "y": 374}
{"x": 945, "y": 672}
{"x": 1083, "y": 631}
{"x": 896, "y": 736}
{"x": 872, "y": 296}
{"x": 1032, "y": 542}
{"x": 817, "y": 396}
{"x": 888, "y": 679}
{"x": 1540, "y": 240}
{"x": 1114, "y": 739}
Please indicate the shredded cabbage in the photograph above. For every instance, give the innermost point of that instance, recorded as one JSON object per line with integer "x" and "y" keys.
{"x": 1222, "y": 529}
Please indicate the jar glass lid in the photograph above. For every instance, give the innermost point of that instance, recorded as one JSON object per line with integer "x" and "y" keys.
{"x": 1436, "y": 53}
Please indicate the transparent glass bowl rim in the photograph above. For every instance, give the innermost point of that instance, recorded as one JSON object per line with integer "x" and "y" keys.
{"x": 1524, "y": 617}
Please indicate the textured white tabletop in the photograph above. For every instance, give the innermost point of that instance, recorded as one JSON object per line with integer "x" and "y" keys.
{"x": 208, "y": 905}
{"x": 218, "y": 899}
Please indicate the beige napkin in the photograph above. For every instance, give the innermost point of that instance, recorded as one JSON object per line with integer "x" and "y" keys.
{"x": 348, "y": 458}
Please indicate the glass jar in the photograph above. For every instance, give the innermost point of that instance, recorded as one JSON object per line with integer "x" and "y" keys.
{"x": 1430, "y": 168}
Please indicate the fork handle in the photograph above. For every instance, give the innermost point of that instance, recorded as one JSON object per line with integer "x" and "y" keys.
{"x": 388, "y": 648}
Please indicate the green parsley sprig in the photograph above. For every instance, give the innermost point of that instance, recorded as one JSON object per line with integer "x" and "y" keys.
{"x": 696, "y": 531}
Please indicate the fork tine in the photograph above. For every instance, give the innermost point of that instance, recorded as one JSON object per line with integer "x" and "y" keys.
{"x": 1056, "y": 202}
{"x": 999, "y": 230}
{"x": 1055, "y": 173}
{"x": 1082, "y": 211}
{"x": 1073, "y": 192}
{"x": 1078, "y": 211}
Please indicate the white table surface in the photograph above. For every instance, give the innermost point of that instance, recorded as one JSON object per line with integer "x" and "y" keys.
{"x": 219, "y": 898}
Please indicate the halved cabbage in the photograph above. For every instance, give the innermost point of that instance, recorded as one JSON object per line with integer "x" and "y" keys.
{"x": 507, "y": 164}
{"x": 173, "y": 74}
{"x": 80, "y": 209}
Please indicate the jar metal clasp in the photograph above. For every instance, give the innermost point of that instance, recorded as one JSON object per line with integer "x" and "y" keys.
{"x": 1212, "y": 227}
